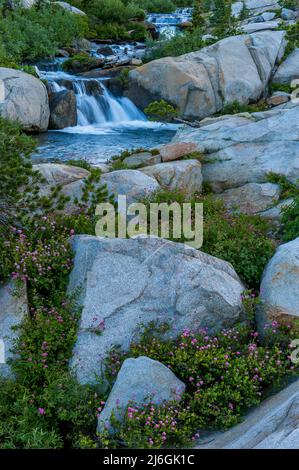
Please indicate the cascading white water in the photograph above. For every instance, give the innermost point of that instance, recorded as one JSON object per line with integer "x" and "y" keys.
{"x": 103, "y": 108}
{"x": 99, "y": 107}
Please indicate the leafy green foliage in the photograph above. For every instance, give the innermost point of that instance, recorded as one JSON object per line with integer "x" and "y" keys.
{"x": 161, "y": 111}
{"x": 35, "y": 33}
{"x": 181, "y": 44}
{"x": 288, "y": 189}
{"x": 238, "y": 238}
{"x": 235, "y": 108}
{"x": 224, "y": 374}
{"x": 290, "y": 221}
{"x": 81, "y": 62}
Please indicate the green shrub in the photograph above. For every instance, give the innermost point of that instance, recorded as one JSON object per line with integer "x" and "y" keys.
{"x": 161, "y": 111}
{"x": 32, "y": 34}
{"x": 189, "y": 41}
{"x": 225, "y": 374}
{"x": 290, "y": 221}
{"x": 238, "y": 238}
{"x": 81, "y": 62}
{"x": 235, "y": 108}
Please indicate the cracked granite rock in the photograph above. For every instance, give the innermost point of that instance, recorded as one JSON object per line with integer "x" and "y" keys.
{"x": 128, "y": 282}
{"x": 200, "y": 83}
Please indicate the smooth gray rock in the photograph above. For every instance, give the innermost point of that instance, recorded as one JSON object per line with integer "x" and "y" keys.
{"x": 243, "y": 149}
{"x": 258, "y": 6}
{"x": 131, "y": 183}
{"x": 278, "y": 98}
{"x": 273, "y": 425}
{"x": 13, "y": 310}
{"x": 288, "y": 14}
{"x": 128, "y": 282}
{"x": 184, "y": 175}
{"x": 25, "y": 100}
{"x": 254, "y": 27}
{"x": 70, "y": 178}
{"x": 288, "y": 70}
{"x": 268, "y": 15}
{"x": 199, "y": 84}
{"x": 142, "y": 159}
{"x": 63, "y": 109}
{"x": 280, "y": 285}
{"x": 141, "y": 381}
{"x": 68, "y": 7}
{"x": 60, "y": 174}
{"x": 252, "y": 197}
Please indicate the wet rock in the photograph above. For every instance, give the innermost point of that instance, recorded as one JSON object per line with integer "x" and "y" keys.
{"x": 63, "y": 110}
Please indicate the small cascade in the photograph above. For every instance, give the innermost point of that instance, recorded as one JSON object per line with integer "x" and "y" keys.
{"x": 96, "y": 105}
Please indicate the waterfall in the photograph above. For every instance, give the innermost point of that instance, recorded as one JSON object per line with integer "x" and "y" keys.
{"x": 96, "y": 105}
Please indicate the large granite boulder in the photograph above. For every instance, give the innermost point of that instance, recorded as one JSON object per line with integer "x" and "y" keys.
{"x": 280, "y": 286}
{"x": 273, "y": 425}
{"x": 141, "y": 381}
{"x": 184, "y": 175}
{"x": 63, "y": 109}
{"x": 288, "y": 70}
{"x": 252, "y": 198}
{"x": 236, "y": 68}
{"x": 13, "y": 310}
{"x": 243, "y": 149}
{"x": 25, "y": 100}
{"x": 130, "y": 183}
{"x": 124, "y": 283}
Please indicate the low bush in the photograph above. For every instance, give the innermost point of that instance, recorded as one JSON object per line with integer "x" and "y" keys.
{"x": 32, "y": 34}
{"x": 225, "y": 374}
{"x": 189, "y": 41}
{"x": 238, "y": 238}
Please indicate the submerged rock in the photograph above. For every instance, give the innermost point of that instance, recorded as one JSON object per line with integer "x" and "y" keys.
{"x": 63, "y": 109}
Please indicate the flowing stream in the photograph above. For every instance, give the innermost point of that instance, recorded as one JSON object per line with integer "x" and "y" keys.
{"x": 107, "y": 125}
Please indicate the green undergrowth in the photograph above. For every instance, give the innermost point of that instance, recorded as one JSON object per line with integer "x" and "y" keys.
{"x": 225, "y": 374}
{"x": 289, "y": 229}
{"x": 241, "y": 239}
{"x": 44, "y": 406}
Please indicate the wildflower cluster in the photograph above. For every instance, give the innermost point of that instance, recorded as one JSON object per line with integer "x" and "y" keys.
{"x": 225, "y": 374}
{"x": 155, "y": 426}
